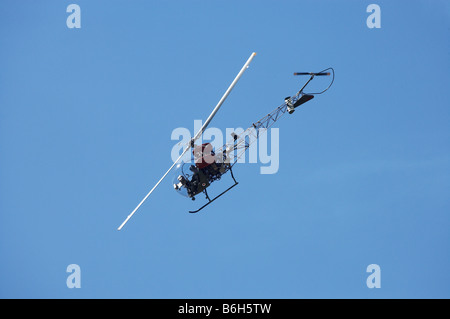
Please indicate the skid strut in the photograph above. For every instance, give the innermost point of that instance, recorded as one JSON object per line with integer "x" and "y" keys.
{"x": 212, "y": 200}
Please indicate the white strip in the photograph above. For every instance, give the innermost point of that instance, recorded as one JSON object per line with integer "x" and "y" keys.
{"x": 132, "y": 213}
{"x": 224, "y": 96}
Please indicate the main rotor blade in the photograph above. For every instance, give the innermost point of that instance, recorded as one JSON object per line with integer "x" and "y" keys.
{"x": 227, "y": 92}
{"x": 137, "y": 207}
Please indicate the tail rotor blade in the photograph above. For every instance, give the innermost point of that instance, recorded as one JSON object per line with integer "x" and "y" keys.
{"x": 322, "y": 73}
{"x": 311, "y": 73}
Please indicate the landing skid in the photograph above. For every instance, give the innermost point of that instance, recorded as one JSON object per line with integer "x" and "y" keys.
{"x": 212, "y": 200}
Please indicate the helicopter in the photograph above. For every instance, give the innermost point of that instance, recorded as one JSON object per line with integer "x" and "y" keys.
{"x": 209, "y": 166}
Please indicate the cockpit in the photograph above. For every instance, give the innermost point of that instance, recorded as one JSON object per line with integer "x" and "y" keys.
{"x": 189, "y": 180}
{"x": 182, "y": 178}
{"x": 193, "y": 178}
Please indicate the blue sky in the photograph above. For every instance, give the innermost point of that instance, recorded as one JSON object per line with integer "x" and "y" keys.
{"x": 86, "y": 117}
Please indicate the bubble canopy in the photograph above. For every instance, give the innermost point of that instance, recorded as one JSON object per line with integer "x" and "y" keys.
{"x": 182, "y": 175}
